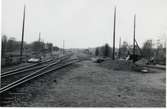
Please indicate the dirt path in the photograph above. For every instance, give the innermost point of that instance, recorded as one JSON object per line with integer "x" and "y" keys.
{"x": 90, "y": 85}
{"x": 87, "y": 84}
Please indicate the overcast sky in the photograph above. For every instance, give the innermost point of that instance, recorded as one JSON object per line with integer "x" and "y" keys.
{"x": 84, "y": 23}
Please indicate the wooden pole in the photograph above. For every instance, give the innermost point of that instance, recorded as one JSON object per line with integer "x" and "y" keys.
{"x": 63, "y": 47}
{"x": 39, "y": 36}
{"x": 119, "y": 53}
{"x": 22, "y": 40}
{"x": 113, "y": 55}
{"x": 134, "y": 38}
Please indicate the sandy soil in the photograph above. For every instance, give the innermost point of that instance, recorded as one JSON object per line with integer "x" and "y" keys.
{"x": 87, "y": 84}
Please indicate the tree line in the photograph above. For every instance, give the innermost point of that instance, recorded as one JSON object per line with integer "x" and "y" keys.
{"x": 147, "y": 51}
{"x": 10, "y": 44}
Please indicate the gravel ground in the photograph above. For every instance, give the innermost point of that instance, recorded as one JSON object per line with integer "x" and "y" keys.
{"x": 88, "y": 84}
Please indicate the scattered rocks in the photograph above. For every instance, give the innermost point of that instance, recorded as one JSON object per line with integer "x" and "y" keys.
{"x": 55, "y": 81}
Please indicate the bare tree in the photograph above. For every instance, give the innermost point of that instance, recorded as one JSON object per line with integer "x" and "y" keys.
{"x": 4, "y": 45}
{"x": 12, "y": 45}
{"x": 124, "y": 49}
{"x": 160, "y": 56}
{"x": 50, "y": 47}
{"x": 97, "y": 51}
{"x": 37, "y": 46}
{"x": 147, "y": 49}
{"x": 106, "y": 50}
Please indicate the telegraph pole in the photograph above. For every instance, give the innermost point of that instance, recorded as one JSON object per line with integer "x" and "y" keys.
{"x": 39, "y": 40}
{"x": 134, "y": 38}
{"x": 119, "y": 47}
{"x": 39, "y": 36}
{"x": 63, "y": 47}
{"x": 22, "y": 40}
{"x": 113, "y": 55}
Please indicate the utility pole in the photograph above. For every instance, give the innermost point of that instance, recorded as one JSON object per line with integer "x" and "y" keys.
{"x": 39, "y": 41}
{"x": 39, "y": 36}
{"x": 113, "y": 55}
{"x": 63, "y": 46}
{"x": 22, "y": 40}
{"x": 119, "y": 47}
{"x": 134, "y": 38}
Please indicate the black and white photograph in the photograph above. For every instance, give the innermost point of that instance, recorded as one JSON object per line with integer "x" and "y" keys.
{"x": 83, "y": 53}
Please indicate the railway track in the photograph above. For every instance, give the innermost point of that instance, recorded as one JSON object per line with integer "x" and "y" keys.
{"x": 31, "y": 67}
{"x": 5, "y": 69}
{"x": 18, "y": 68}
{"x": 52, "y": 66}
{"x": 22, "y": 65}
{"x": 9, "y": 91}
{"x": 13, "y": 75}
{"x": 9, "y": 77}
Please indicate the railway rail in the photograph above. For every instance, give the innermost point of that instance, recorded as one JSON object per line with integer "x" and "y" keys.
{"x": 154, "y": 66}
{"x": 22, "y": 65}
{"x": 54, "y": 65}
{"x": 26, "y": 66}
{"x": 8, "y": 78}
{"x": 30, "y": 67}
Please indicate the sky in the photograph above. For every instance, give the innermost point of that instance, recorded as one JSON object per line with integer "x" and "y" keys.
{"x": 84, "y": 23}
